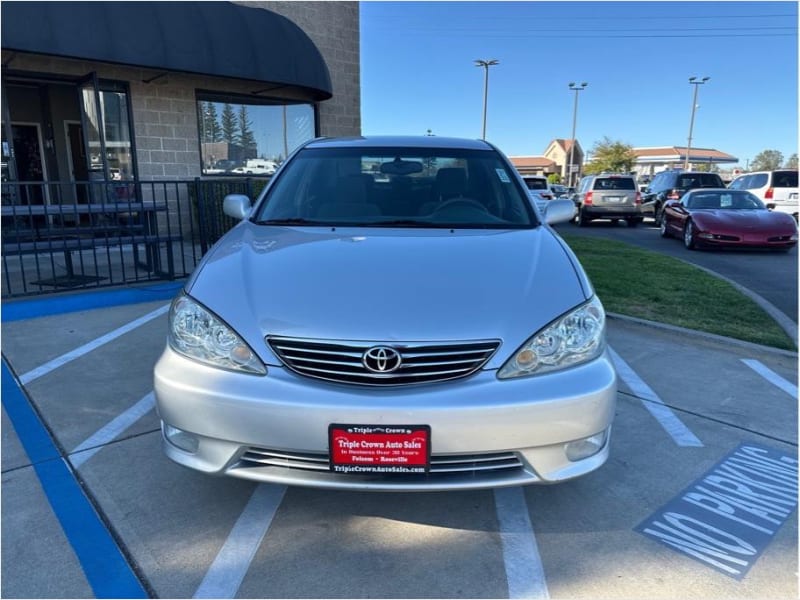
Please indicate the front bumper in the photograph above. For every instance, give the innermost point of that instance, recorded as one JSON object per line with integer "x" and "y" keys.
{"x": 747, "y": 241}
{"x": 239, "y": 419}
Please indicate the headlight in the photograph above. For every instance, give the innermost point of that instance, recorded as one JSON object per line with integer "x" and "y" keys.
{"x": 577, "y": 337}
{"x": 197, "y": 333}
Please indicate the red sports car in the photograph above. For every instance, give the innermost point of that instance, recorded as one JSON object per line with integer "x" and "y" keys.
{"x": 723, "y": 217}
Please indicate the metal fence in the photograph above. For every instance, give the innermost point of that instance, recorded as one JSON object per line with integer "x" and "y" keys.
{"x": 60, "y": 235}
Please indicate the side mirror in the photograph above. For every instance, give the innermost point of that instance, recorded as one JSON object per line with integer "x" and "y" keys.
{"x": 559, "y": 211}
{"x": 236, "y": 206}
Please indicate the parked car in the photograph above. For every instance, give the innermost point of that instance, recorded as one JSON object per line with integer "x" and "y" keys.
{"x": 222, "y": 167}
{"x": 539, "y": 186}
{"x": 724, "y": 217}
{"x": 426, "y": 333}
{"x": 671, "y": 185}
{"x": 777, "y": 189}
{"x": 608, "y": 196}
{"x": 559, "y": 191}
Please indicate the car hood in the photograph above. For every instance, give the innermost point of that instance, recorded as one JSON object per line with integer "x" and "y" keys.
{"x": 388, "y": 285}
{"x": 739, "y": 220}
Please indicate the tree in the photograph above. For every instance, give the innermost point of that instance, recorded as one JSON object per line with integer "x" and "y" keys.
{"x": 554, "y": 178}
{"x": 212, "y": 132}
{"x": 246, "y": 137}
{"x": 611, "y": 156}
{"x": 768, "y": 160}
{"x": 792, "y": 162}
{"x": 228, "y": 124}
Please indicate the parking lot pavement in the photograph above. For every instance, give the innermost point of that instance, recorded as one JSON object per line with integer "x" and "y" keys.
{"x": 692, "y": 413}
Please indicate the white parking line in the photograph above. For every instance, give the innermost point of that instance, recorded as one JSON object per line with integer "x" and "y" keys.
{"x": 663, "y": 414}
{"x": 524, "y": 570}
{"x": 86, "y": 348}
{"x": 94, "y": 443}
{"x": 771, "y": 376}
{"x": 231, "y": 564}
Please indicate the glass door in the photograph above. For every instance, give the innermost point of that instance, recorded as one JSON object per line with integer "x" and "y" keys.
{"x": 92, "y": 125}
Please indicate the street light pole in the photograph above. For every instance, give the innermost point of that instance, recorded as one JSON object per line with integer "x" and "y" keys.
{"x": 696, "y": 83}
{"x": 576, "y": 89}
{"x": 485, "y": 64}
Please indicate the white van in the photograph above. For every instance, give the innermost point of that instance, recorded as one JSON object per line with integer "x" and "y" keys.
{"x": 257, "y": 166}
{"x": 776, "y": 189}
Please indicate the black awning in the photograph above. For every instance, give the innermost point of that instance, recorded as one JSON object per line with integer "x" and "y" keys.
{"x": 208, "y": 38}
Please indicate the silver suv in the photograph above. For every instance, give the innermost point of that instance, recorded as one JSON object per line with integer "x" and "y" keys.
{"x": 608, "y": 196}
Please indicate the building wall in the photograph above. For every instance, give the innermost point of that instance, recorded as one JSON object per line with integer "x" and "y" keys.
{"x": 165, "y": 123}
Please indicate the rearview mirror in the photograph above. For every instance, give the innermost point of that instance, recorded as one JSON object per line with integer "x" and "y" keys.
{"x": 401, "y": 167}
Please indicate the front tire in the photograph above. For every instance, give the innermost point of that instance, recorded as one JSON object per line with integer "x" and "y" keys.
{"x": 688, "y": 236}
{"x": 662, "y": 227}
{"x": 658, "y": 214}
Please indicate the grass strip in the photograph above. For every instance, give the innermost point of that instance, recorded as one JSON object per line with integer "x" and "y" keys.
{"x": 640, "y": 283}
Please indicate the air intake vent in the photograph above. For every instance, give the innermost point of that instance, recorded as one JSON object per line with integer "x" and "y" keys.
{"x": 465, "y": 464}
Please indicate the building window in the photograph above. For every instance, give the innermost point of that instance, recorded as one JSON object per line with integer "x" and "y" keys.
{"x": 250, "y": 137}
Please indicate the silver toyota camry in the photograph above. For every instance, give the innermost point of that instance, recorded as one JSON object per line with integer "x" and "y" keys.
{"x": 389, "y": 314}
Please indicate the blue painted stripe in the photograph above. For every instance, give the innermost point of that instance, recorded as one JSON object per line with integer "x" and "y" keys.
{"x": 104, "y": 565}
{"x": 45, "y": 307}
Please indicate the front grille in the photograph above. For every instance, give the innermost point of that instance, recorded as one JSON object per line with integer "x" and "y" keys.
{"x": 342, "y": 361}
{"x": 780, "y": 238}
{"x": 464, "y": 464}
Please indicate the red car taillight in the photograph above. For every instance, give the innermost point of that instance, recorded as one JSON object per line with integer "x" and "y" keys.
{"x": 638, "y": 199}
{"x": 673, "y": 195}
{"x": 770, "y": 194}
{"x": 588, "y": 198}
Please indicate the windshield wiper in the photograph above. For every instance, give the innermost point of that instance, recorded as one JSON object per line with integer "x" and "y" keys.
{"x": 291, "y": 221}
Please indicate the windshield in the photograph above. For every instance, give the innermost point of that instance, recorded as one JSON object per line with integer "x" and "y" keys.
{"x": 784, "y": 179}
{"x": 536, "y": 184}
{"x": 699, "y": 180}
{"x": 614, "y": 183}
{"x": 397, "y": 187}
{"x": 728, "y": 200}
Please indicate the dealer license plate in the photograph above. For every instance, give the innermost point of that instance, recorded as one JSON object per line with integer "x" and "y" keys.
{"x": 384, "y": 449}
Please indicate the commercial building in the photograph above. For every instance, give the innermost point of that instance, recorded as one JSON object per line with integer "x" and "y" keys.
{"x": 124, "y": 124}
{"x": 155, "y": 90}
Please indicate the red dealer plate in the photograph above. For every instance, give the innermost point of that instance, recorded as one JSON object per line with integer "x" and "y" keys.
{"x": 383, "y": 449}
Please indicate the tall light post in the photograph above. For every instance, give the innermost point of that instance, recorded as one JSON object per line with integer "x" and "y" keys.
{"x": 696, "y": 83}
{"x": 485, "y": 64}
{"x": 576, "y": 89}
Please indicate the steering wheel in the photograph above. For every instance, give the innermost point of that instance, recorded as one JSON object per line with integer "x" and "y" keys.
{"x": 462, "y": 201}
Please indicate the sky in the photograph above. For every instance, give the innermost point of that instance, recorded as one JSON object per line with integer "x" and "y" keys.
{"x": 418, "y": 73}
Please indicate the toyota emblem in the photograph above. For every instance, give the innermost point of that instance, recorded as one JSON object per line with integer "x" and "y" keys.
{"x": 381, "y": 359}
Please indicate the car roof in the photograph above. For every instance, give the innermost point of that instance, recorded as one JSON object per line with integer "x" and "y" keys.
{"x": 421, "y": 141}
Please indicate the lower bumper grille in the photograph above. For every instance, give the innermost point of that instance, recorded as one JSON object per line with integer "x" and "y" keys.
{"x": 463, "y": 464}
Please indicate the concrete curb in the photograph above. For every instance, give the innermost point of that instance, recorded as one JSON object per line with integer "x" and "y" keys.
{"x": 702, "y": 334}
